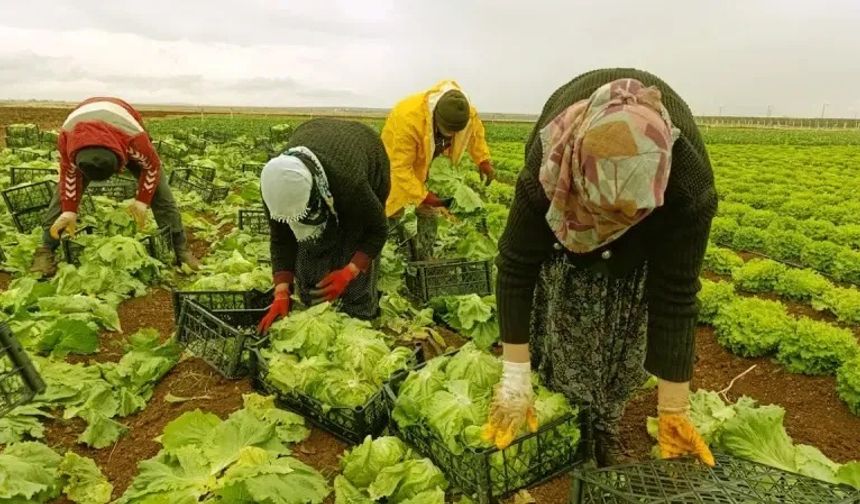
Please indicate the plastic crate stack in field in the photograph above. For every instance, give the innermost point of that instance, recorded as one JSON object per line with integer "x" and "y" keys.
{"x": 73, "y": 250}
{"x": 118, "y": 188}
{"x": 686, "y": 481}
{"x": 28, "y": 202}
{"x": 253, "y": 167}
{"x": 159, "y": 245}
{"x": 253, "y": 220}
{"x": 427, "y": 278}
{"x": 19, "y": 381}
{"x": 491, "y": 474}
{"x": 198, "y": 180}
{"x": 349, "y": 424}
{"x": 24, "y": 175}
{"x": 222, "y": 338}
{"x": 449, "y": 277}
{"x": 223, "y": 301}
{"x": 22, "y": 135}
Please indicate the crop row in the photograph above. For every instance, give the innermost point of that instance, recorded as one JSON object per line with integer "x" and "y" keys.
{"x": 763, "y": 276}
{"x": 752, "y": 327}
{"x": 839, "y": 262}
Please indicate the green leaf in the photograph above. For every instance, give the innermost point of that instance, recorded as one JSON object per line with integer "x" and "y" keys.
{"x": 226, "y": 441}
{"x": 179, "y": 477}
{"x": 289, "y": 426}
{"x": 364, "y": 462}
{"x": 84, "y": 482}
{"x": 758, "y": 434}
{"x": 434, "y": 496}
{"x": 849, "y": 474}
{"x": 346, "y": 493}
{"x": 101, "y": 431}
{"x": 67, "y": 336}
{"x": 28, "y": 473}
{"x": 406, "y": 480}
{"x": 192, "y": 428}
{"x": 265, "y": 478}
{"x": 22, "y": 423}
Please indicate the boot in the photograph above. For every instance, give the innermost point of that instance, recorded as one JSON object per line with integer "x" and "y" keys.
{"x": 44, "y": 262}
{"x": 184, "y": 256}
{"x": 608, "y": 450}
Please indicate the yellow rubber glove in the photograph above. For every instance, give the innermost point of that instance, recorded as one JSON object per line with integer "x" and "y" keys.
{"x": 67, "y": 223}
{"x": 677, "y": 435}
{"x": 512, "y": 406}
{"x": 137, "y": 210}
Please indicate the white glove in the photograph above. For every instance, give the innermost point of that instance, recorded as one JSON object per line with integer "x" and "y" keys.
{"x": 512, "y": 407}
{"x": 137, "y": 210}
{"x": 67, "y": 222}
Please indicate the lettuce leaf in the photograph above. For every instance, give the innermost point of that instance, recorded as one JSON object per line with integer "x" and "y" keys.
{"x": 365, "y": 461}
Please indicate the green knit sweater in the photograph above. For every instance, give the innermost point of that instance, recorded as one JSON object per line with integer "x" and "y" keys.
{"x": 671, "y": 240}
{"x": 357, "y": 169}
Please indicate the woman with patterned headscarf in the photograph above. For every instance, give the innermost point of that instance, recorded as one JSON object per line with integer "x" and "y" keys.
{"x": 325, "y": 197}
{"x": 600, "y": 260}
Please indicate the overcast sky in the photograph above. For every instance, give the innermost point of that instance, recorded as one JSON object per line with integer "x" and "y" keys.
{"x": 742, "y": 55}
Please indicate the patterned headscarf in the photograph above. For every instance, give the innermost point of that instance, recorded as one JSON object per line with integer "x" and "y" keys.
{"x": 296, "y": 191}
{"x": 606, "y": 163}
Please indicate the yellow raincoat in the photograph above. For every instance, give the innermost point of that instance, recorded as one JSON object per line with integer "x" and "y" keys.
{"x": 409, "y": 142}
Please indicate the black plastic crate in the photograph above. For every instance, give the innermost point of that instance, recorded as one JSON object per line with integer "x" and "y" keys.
{"x": 118, "y": 188}
{"x": 34, "y": 154}
{"x": 19, "y": 380}
{"x": 213, "y": 337}
{"x": 223, "y": 301}
{"x": 680, "y": 481}
{"x": 491, "y": 474}
{"x": 28, "y": 220}
{"x": 185, "y": 181}
{"x": 24, "y": 175}
{"x": 160, "y": 245}
{"x": 348, "y": 424}
{"x": 255, "y": 168}
{"x": 73, "y": 250}
{"x": 24, "y": 135}
{"x": 449, "y": 277}
{"x": 254, "y": 220}
{"x": 194, "y": 173}
{"x": 29, "y": 196}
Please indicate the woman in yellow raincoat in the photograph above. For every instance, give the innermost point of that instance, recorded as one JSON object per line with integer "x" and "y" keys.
{"x": 438, "y": 121}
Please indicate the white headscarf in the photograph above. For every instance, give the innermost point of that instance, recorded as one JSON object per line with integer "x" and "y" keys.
{"x": 287, "y": 184}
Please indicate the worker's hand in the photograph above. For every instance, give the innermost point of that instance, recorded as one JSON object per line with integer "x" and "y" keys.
{"x": 332, "y": 286}
{"x": 677, "y": 436}
{"x": 280, "y": 308}
{"x": 488, "y": 174}
{"x": 512, "y": 406}
{"x": 431, "y": 200}
{"x": 67, "y": 223}
{"x": 137, "y": 210}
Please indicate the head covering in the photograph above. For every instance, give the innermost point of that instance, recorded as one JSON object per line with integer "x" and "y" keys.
{"x": 96, "y": 163}
{"x": 452, "y": 111}
{"x": 606, "y": 163}
{"x": 295, "y": 190}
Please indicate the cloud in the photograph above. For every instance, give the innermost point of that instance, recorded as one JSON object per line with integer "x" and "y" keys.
{"x": 745, "y": 57}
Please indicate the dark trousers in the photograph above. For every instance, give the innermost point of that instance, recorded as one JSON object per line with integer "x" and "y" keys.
{"x": 163, "y": 206}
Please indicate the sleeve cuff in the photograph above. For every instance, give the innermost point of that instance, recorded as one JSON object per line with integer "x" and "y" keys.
{"x": 361, "y": 260}
{"x": 283, "y": 277}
